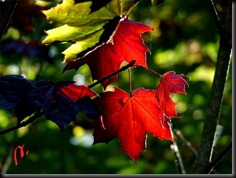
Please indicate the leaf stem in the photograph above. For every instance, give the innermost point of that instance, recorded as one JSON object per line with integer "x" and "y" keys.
{"x": 130, "y": 81}
{"x": 153, "y": 71}
{"x": 111, "y": 75}
{"x": 128, "y": 11}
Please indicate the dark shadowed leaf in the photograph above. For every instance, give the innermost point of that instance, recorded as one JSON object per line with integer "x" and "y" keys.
{"x": 69, "y": 99}
{"x": 13, "y": 89}
{"x": 60, "y": 110}
{"x": 60, "y": 102}
{"x": 34, "y": 99}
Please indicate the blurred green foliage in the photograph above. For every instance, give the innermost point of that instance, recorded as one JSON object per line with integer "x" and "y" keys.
{"x": 185, "y": 40}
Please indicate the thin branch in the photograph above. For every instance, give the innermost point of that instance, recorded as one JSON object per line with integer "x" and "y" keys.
{"x": 214, "y": 12}
{"x": 179, "y": 161}
{"x": 189, "y": 146}
{"x": 22, "y": 124}
{"x": 220, "y": 157}
{"x": 186, "y": 142}
{"x": 39, "y": 114}
{"x": 111, "y": 75}
{"x": 7, "y": 9}
{"x": 6, "y": 161}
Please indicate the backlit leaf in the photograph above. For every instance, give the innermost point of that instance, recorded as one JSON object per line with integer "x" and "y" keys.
{"x": 131, "y": 116}
{"x": 127, "y": 45}
{"x": 85, "y": 23}
{"x": 170, "y": 83}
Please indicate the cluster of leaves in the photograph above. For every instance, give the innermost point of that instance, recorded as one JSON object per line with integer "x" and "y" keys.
{"x": 60, "y": 102}
{"x": 102, "y": 37}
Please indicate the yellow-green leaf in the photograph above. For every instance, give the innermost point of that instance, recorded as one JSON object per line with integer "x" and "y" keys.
{"x": 86, "y": 24}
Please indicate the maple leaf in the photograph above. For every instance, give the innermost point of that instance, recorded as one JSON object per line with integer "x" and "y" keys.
{"x": 131, "y": 116}
{"x": 127, "y": 45}
{"x": 81, "y": 96}
{"x": 170, "y": 83}
{"x": 68, "y": 99}
{"x": 33, "y": 99}
{"x": 60, "y": 102}
{"x": 12, "y": 90}
{"x": 86, "y": 23}
{"x": 23, "y": 96}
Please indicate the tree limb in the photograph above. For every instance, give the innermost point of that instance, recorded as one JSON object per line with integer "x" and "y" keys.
{"x": 186, "y": 142}
{"x": 39, "y": 114}
{"x": 22, "y": 124}
{"x": 111, "y": 75}
{"x": 214, "y": 106}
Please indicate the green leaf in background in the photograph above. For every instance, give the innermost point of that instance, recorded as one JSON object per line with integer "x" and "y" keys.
{"x": 156, "y": 2}
{"x": 86, "y": 23}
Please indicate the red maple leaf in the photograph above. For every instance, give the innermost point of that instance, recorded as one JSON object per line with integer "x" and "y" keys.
{"x": 170, "y": 83}
{"x": 126, "y": 45}
{"x": 75, "y": 92}
{"x": 66, "y": 100}
{"x": 131, "y": 116}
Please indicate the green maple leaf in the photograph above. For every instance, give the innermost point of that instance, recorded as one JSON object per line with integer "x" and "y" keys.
{"x": 87, "y": 24}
